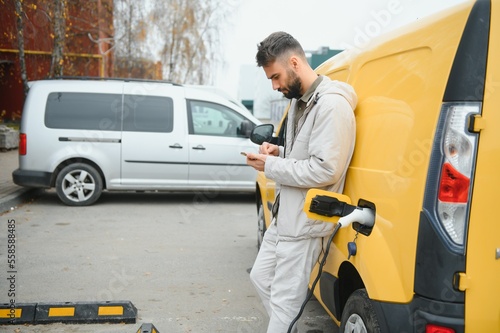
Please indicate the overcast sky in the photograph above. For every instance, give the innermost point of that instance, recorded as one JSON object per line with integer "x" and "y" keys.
{"x": 315, "y": 23}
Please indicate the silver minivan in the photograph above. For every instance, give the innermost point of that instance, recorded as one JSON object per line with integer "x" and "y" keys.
{"x": 86, "y": 136}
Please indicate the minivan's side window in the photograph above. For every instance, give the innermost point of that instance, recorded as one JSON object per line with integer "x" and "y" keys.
{"x": 89, "y": 111}
{"x": 213, "y": 119}
{"x": 148, "y": 114}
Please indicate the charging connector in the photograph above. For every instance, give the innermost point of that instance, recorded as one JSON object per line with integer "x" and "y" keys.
{"x": 330, "y": 206}
{"x": 364, "y": 216}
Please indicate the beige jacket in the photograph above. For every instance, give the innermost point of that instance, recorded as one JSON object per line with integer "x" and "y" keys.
{"x": 318, "y": 157}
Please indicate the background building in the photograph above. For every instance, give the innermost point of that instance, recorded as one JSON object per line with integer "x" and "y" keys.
{"x": 88, "y": 25}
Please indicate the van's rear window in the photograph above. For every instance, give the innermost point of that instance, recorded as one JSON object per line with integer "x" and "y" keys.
{"x": 91, "y": 111}
{"x": 84, "y": 111}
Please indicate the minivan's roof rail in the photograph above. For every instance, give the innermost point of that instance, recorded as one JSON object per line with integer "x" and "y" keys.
{"x": 98, "y": 78}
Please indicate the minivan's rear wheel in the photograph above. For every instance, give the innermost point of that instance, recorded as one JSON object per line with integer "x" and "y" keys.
{"x": 79, "y": 184}
{"x": 359, "y": 315}
{"x": 261, "y": 224}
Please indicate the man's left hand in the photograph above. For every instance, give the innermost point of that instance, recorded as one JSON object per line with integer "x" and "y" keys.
{"x": 257, "y": 161}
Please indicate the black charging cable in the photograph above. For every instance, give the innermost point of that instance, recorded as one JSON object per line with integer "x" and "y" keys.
{"x": 320, "y": 270}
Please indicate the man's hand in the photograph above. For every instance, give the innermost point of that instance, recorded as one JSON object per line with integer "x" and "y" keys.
{"x": 257, "y": 161}
{"x": 269, "y": 149}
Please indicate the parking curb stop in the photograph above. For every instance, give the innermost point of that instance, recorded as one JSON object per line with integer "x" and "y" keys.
{"x": 69, "y": 312}
{"x": 17, "y": 313}
{"x": 147, "y": 328}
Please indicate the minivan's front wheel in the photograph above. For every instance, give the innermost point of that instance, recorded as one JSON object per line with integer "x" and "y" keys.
{"x": 79, "y": 184}
{"x": 359, "y": 315}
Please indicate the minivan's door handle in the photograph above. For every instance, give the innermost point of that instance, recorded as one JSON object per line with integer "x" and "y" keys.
{"x": 175, "y": 146}
{"x": 199, "y": 147}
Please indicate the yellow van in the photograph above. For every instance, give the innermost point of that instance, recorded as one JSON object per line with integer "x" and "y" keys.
{"x": 428, "y": 157}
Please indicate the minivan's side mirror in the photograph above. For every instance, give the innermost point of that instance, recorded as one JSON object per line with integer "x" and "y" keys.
{"x": 246, "y": 128}
{"x": 262, "y": 133}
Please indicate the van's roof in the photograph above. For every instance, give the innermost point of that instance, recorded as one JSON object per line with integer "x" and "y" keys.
{"x": 192, "y": 91}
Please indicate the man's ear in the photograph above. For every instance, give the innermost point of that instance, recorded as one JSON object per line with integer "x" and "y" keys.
{"x": 294, "y": 62}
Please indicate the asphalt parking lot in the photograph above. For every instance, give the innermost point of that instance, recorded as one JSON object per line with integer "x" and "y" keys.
{"x": 181, "y": 259}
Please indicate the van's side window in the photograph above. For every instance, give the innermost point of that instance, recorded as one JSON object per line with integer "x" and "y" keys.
{"x": 89, "y": 111}
{"x": 213, "y": 119}
{"x": 148, "y": 114}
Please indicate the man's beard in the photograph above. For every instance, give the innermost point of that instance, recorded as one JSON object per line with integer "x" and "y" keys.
{"x": 294, "y": 88}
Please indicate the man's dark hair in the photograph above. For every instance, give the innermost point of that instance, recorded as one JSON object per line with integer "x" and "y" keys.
{"x": 277, "y": 45}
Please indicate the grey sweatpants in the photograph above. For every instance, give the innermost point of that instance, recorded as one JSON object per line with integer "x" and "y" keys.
{"x": 281, "y": 275}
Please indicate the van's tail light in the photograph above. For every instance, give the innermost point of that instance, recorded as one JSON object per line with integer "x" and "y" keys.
{"x": 458, "y": 155}
{"x": 454, "y": 186}
{"x": 22, "y": 144}
{"x": 438, "y": 329}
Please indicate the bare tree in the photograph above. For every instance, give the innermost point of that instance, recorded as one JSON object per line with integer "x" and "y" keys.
{"x": 59, "y": 27}
{"x": 20, "y": 43}
{"x": 183, "y": 34}
{"x": 131, "y": 30}
{"x": 187, "y": 35}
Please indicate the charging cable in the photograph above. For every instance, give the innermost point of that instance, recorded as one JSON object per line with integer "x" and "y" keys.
{"x": 320, "y": 270}
{"x": 364, "y": 216}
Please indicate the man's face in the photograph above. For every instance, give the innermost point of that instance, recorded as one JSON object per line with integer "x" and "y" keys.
{"x": 284, "y": 79}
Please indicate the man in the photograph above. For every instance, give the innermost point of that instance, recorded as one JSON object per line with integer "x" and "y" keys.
{"x": 320, "y": 137}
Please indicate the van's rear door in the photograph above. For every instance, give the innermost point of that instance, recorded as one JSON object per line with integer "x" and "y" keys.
{"x": 481, "y": 280}
{"x": 154, "y": 139}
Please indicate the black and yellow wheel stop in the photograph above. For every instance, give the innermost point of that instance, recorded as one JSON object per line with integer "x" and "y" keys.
{"x": 68, "y": 312}
{"x": 147, "y": 328}
{"x": 17, "y": 313}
